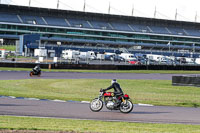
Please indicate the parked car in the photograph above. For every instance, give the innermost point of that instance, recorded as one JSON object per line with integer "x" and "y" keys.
{"x": 118, "y": 58}
{"x": 114, "y": 58}
{"x": 135, "y": 62}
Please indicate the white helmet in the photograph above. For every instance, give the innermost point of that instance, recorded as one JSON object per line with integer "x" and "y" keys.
{"x": 113, "y": 81}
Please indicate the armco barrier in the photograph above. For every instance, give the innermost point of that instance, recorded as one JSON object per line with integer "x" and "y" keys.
{"x": 100, "y": 66}
{"x": 186, "y": 80}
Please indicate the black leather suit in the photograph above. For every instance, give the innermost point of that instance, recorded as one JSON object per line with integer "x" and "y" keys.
{"x": 36, "y": 69}
{"x": 117, "y": 89}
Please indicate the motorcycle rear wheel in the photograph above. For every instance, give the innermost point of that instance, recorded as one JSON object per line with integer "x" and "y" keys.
{"x": 126, "y": 108}
{"x": 31, "y": 74}
{"x": 96, "y": 105}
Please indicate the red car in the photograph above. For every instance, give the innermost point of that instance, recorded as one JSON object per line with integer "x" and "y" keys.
{"x": 135, "y": 62}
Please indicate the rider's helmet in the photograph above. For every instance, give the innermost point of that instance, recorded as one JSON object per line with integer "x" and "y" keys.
{"x": 113, "y": 81}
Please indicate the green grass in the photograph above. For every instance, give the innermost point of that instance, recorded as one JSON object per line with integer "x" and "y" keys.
{"x": 48, "y": 124}
{"x": 156, "y": 92}
{"x": 107, "y": 71}
{"x": 8, "y": 47}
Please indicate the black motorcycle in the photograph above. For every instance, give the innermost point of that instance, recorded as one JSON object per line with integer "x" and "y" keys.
{"x": 35, "y": 72}
{"x": 122, "y": 103}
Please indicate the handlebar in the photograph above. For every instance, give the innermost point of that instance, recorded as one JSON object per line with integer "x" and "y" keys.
{"x": 101, "y": 90}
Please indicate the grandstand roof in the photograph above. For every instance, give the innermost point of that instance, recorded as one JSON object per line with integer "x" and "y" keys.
{"x": 109, "y": 17}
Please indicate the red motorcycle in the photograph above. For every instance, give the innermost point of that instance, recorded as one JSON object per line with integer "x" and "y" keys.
{"x": 122, "y": 103}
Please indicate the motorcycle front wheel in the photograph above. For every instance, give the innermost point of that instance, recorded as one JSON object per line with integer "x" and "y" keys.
{"x": 96, "y": 105}
{"x": 127, "y": 107}
{"x": 39, "y": 74}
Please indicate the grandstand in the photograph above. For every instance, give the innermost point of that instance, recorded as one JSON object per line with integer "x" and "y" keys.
{"x": 99, "y": 32}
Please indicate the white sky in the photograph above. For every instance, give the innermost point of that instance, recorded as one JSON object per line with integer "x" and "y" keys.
{"x": 144, "y": 8}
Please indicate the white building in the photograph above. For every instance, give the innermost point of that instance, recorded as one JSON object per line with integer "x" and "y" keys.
{"x": 127, "y": 56}
{"x": 70, "y": 54}
{"x": 2, "y": 53}
{"x": 88, "y": 55}
{"x": 40, "y": 52}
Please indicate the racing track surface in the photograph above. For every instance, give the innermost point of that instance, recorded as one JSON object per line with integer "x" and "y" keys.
{"x": 76, "y": 110}
{"x": 13, "y": 75}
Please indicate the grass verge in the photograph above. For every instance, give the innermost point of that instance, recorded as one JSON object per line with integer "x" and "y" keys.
{"x": 8, "y": 47}
{"x": 48, "y": 124}
{"x": 156, "y": 92}
{"x": 106, "y": 71}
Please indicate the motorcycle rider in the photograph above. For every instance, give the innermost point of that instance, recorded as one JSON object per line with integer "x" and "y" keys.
{"x": 36, "y": 69}
{"x": 117, "y": 90}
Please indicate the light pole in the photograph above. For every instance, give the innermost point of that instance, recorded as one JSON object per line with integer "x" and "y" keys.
{"x": 29, "y": 3}
{"x": 58, "y": 4}
{"x": 193, "y": 47}
{"x": 169, "y": 45}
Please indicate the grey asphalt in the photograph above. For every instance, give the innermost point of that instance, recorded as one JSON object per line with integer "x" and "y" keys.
{"x": 71, "y": 110}
{"x": 155, "y": 114}
{"x": 13, "y": 75}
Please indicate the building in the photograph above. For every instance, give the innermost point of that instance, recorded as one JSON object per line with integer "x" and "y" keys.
{"x": 98, "y": 32}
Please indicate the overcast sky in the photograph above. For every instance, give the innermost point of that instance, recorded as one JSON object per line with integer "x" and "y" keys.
{"x": 166, "y": 9}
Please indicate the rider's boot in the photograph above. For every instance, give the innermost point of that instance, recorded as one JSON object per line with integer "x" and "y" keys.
{"x": 117, "y": 103}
